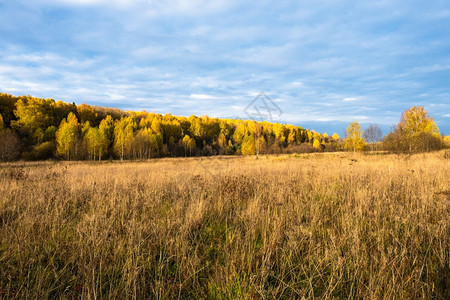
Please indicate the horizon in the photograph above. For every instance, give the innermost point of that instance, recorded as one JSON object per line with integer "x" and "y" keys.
{"x": 324, "y": 64}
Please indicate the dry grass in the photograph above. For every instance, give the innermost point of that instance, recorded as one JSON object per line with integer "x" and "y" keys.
{"x": 297, "y": 226}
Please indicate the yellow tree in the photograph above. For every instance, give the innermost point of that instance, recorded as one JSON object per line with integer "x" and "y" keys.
{"x": 291, "y": 135}
{"x": 66, "y": 136}
{"x": 223, "y": 143}
{"x": 447, "y": 140}
{"x": 123, "y": 136}
{"x": 2, "y": 125}
{"x": 93, "y": 142}
{"x": 191, "y": 145}
{"x": 106, "y": 133}
{"x": 33, "y": 113}
{"x": 354, "y": 141}
{"x": 240, "y": 132}
{"x": 316, "y": 143}
{"x": 248, "y": 145}
{"x": 87, "y": 113}
{"x": 416, "y": 125}
{"x": 185, "y": 143}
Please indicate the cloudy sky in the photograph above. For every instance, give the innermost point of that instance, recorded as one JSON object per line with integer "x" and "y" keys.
{"x": 323, "y": 63}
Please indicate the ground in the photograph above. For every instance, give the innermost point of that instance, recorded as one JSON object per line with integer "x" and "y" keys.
{"x": 328, "y": 225}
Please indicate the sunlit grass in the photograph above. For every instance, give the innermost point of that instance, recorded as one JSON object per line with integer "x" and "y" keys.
{"x": 308, "y": 225}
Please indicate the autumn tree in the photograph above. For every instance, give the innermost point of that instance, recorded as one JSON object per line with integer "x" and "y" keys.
{"x": 353, "y": 140}
{"x": 447, "y": 141}
{"x": 415, "y": 132}
{"x": 66, "y": 136}
{"x": 309, "y": 136}
{"x": 123, "y": 136}
{"x": 2, "y": 124}
{"x": 33, "y": 113}
{"x": 222, "y": 143}
{"x": 33, "y": 116}
{"x": 240, "y": 132}
{"x": 417, "y": 128}
{"x": 141, "y": 144}
{"x": 335, "y": 136}
{"x": 93, "y": 142}
{"x": 87, "y": 113}
{"x": 248, "y": 145}
{"x": 106, "y": 133}
{"x": 316, "y": 143}
{"x": 188, "y": 144}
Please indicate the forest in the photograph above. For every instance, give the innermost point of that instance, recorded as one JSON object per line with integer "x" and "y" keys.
{"x": 37, "y": 129}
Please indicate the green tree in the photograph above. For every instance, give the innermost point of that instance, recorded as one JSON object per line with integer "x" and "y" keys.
{"x": 66, "y": 136}
{"x": 353, "y": 140}
{"x": 50, "y": 134}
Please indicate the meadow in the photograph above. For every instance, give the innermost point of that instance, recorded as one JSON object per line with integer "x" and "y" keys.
{"x": 322, "y": 225}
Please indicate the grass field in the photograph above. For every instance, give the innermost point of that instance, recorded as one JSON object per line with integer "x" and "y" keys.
{"x": 337, "y": 225}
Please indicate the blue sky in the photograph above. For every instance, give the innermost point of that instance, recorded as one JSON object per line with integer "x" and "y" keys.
{"x": 324, "y": 63}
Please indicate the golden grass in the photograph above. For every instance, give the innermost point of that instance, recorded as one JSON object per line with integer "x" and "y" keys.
{"x": 294, "y": 226}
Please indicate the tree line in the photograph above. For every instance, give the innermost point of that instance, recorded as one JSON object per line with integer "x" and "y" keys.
{"x": 36, "y": 129}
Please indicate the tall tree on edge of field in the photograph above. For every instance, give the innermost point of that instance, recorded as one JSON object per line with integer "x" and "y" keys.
{"x": 123, "y": 136}
{"x": 66, "y": 136}
{"x": 353, "y": 140}
{"x": 414, "y": 124}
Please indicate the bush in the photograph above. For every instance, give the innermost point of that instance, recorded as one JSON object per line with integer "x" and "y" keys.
{"x": 43, "y": 151}
{"x": 422, "y": 142}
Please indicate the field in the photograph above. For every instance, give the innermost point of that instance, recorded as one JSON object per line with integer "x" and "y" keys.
{"x": 339, "y": 225}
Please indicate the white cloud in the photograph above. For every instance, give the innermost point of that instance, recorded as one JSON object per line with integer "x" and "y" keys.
{"x": 297, "y": 83}
{"x": 97, "y": 2}
{"x": 202, "y": 97}
{"x": 351, "y": 99}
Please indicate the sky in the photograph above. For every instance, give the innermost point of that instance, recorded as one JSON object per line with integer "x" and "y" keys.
{"x": 322, "y": 63}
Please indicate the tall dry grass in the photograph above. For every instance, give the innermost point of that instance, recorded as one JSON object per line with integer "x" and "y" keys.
{"x": 297, "y": 226}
